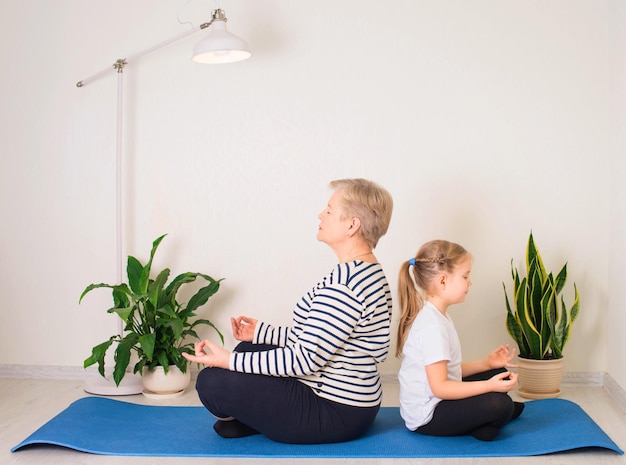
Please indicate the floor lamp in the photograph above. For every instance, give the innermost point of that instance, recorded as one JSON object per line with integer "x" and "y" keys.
{"x": 219, "y": 46}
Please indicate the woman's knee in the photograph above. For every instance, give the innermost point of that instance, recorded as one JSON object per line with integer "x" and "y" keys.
{"x": 205, "y": 380}
{"x": 211, "y": 385}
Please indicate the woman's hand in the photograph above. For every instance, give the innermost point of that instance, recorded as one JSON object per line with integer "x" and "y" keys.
{"x": 503, "y": 382}
{"x": 501, "y": 358}
{"x": 218, "y": 356}
{"x": 243, "y": 328}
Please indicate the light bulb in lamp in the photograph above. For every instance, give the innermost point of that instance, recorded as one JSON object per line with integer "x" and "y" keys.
{"x": 219, "y": 45}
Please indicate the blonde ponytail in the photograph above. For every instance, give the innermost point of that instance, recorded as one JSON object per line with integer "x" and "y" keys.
{"x": 411, "y": 301}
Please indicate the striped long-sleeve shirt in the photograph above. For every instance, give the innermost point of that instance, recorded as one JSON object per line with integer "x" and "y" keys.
{"x": 340, "y": 332}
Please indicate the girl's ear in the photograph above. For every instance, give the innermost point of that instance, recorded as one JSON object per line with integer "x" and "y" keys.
{"x": 441, "y": 281}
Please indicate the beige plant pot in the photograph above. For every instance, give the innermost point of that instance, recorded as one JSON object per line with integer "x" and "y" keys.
{"x": 172, "y": 384}
{"x": 540, "y": 379}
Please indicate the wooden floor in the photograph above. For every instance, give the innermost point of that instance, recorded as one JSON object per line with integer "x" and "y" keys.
{"x": 26, "y": 404}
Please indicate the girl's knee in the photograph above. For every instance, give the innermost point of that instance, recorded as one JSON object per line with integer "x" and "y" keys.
{"x": 502, "y": 407}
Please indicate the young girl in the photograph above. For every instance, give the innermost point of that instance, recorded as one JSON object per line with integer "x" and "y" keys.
{"x": 439, "y": 394}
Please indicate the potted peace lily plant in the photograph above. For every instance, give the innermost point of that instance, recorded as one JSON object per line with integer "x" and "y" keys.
{"x": 157, "y": 327}
{"x": 540, "y": 323}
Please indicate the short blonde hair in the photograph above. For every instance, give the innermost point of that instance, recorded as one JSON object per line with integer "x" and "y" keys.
{"x": 370, "y": 203}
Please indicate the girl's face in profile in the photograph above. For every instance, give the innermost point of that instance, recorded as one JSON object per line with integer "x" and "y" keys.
{"x": 458, "y": 282}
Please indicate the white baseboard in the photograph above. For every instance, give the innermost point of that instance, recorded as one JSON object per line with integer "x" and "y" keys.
{"x": 569, "y": 379}
{"x": 42, "y": 372}
{"x": 55, "y": 372}
{"x": 583, "y": 379}
{"x": 389, "y": 377}
{"x": 617, "y": 392}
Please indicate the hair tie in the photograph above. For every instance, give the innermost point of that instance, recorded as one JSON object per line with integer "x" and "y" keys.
{"x": 412, "y": 262}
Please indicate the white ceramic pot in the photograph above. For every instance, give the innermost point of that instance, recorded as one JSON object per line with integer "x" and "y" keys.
{"x": 157, "y": 382}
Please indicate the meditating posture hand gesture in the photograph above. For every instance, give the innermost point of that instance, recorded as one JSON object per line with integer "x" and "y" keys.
{"x": 218, "y": 357}
{"x": 243, "y": 328}
{"x": 502, "y": 382}
{"x": 501, "y": 357}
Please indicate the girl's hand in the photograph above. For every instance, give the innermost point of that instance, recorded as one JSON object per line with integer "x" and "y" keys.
{"x": 218, "y": 356}
{"x": 501, "y": 358}
{"x": 503, "y": 382}
{"x": 243, "y": 328}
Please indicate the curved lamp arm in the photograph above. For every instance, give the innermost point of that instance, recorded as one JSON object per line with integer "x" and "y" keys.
{"x": 219, "y": 47}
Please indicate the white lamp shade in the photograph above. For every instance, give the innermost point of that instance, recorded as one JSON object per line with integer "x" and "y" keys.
{"x": 220, "y": 46}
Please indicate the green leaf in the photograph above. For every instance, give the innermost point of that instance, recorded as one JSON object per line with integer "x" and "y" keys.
{"x": 566, "y": 328}
{"x": 121, "y": 297}
{"x": 122, "y": 357}
{"x": 163, "y": 361}
{"x": 138, "y": 368}
{"x": 155, "y": 289}
{"x": 97, "y": 355}
{"x": 174, "y": 286}
{"x": 549, "y": 312}
{"x": 532, "y": 254}
{"x": 189, "y": 333}
{"x": 516, "y": 279}
{"x": 123, "y": 313}
{"x": 208, "y": 323}
{"x": 529, "y": 330}
{"x": 145, "y": 273}
{"x": 575, "y": 306}
{"x": 167, "y": 311}
{"x": 182, "y": 364}
{"x": 560, "y": 333}
{"x": 147, "y": 343}
{"x": 175, "y": 325}
{"x": 121, "y": 288}
{"x": 202, "y": 296}
{"x": 134, "y": 268}
{"x": 535, "y": 294}
{"x": 512, "y": 326}
{"x": 560, "y": 280}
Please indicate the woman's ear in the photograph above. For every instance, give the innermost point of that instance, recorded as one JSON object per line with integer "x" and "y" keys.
{"x": 355, "y": 224}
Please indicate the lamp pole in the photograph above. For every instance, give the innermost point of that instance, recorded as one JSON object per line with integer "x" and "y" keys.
{"x": 223, "y": 48}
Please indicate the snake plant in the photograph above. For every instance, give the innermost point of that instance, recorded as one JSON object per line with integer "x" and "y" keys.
{"x": 157, "y": 327}
{"x": 541, "y": 322}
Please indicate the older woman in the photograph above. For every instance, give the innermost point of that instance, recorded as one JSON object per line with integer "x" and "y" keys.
{"x": 317, "y": 380}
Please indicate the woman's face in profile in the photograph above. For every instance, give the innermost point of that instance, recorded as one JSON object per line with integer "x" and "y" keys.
{"x": 333, "y": 226}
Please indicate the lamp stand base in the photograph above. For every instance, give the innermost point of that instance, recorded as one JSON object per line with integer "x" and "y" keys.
{"x": 130, "y": 385}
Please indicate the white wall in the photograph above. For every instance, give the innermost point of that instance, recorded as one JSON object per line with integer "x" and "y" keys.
{"x": 484, "y": 119}
{"x": 617, "y": 272}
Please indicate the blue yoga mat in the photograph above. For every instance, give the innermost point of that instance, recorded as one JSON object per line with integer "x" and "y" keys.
{"x": 110, "y": 427}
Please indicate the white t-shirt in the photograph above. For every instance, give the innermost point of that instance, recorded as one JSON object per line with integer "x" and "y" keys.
{"x": 431, "y": 339}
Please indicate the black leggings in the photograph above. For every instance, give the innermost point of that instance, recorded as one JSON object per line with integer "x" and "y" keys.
{"x": 481, "y": 416}
{"x": 282, "y": 408}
